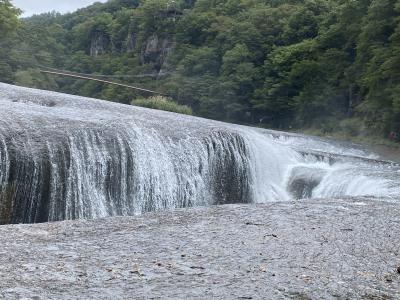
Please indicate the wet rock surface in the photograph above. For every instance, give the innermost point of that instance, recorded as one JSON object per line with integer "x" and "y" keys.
{"x": 314, "y": 249}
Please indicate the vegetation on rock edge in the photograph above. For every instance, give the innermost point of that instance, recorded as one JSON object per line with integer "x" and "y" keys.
{"x": 326, "y": 64}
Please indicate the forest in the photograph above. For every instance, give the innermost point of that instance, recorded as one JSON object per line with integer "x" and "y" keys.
{"x": 333, "y": 65}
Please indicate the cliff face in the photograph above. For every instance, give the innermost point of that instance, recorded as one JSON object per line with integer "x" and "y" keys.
{"x": 99, "y": 44}
{"x": 131, "y": 42}
{"x": 156, "y": 51}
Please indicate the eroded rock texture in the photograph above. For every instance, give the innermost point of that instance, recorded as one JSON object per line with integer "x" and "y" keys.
{"x": 315, "y": 249}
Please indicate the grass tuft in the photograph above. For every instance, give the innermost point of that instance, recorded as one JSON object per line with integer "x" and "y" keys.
{"x": 163, "y": 103}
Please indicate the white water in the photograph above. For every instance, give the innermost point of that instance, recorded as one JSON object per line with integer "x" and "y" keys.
{"x": 66, "y": 157}
{"x": 355, "y": 172}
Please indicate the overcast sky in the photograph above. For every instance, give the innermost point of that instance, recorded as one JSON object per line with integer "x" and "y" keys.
{"x": 31, "y": 7}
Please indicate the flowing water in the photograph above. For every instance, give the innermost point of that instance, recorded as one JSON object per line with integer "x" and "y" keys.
{"x": 67, "y": 157}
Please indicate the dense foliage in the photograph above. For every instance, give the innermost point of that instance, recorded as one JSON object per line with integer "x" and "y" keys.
{"x": 8, "y": 17}
{"x": 281, "y": 63}
{"x": 8, "y": 24}
{"x": 163, "y": 103}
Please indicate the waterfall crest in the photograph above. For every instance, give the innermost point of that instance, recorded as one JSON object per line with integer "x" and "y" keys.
{"x": 67, "y": 157}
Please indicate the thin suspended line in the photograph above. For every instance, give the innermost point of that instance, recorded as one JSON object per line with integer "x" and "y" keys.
{"x": 101, "y": 80}
{"x": 107, "y": 76}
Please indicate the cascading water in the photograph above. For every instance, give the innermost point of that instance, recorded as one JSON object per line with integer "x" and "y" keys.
{"x": 66, "y": 157}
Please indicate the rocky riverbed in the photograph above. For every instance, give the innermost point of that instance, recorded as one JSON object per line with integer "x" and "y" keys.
{"x": 386, "y": 152}
{"x": 314, "y": 249}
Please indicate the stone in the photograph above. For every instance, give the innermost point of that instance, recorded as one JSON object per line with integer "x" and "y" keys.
{"x": 119, "y": 258}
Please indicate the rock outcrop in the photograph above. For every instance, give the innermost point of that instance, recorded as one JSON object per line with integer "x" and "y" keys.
{"x": 131, "y": 42}
{"x": 99, "y": 44}
{"x": 156, "y": 51}
{"x": 315, "y": 249}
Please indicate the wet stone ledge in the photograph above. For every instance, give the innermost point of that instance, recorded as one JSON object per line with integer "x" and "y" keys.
{"x": 314, "y": 249}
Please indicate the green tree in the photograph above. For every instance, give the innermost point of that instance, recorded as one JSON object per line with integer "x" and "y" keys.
{"x": 8, "y": 17}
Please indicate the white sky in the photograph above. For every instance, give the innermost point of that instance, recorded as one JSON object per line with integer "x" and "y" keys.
{"x": 31, "y": 7}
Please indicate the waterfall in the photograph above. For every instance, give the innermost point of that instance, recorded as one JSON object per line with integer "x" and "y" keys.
{"x": 68, "y": 157}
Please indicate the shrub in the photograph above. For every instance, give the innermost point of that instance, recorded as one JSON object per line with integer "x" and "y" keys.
{"x": 351, "y": 127}
{"x": 163, "y": 103}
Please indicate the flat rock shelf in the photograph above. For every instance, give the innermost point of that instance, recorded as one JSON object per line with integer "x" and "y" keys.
{"x": 314, "y": 249}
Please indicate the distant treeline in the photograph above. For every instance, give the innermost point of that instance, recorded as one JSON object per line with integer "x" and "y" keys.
{"x": 282, "y": 63}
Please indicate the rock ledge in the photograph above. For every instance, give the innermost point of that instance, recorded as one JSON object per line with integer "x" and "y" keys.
{"x": 308, "y": 249}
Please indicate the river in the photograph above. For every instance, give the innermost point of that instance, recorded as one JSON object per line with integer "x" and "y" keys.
{"x": 69, "y": 157}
